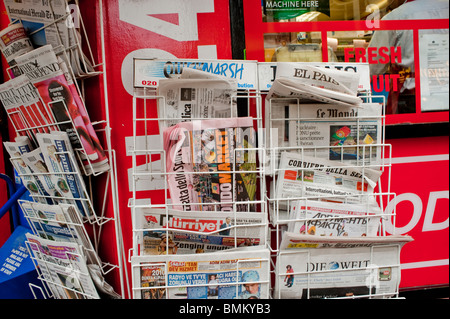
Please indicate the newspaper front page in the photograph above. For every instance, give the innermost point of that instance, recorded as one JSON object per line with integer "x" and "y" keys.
{"x": 318, "y": 267}
{"x": 240, "y": 275}
{"x": 13, "y": 43}
{"x": 211, "y": 164}
{"x": 179, "y": 232}
{"x": 63, "y": 267}
{"x": 334, "y": 219}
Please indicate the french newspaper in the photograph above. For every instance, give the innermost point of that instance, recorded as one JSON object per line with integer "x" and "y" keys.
{"x": 178, "y": 232}
{"x": 322, "y": 218}
{"x": 309, "y": 83}
{"x": 320, "y": 267}
{"x": 188, "y": 99}
{"x": 211, "y": 164}
{"x": 244, "y": 274}
{"x": 63, "y": 267}
{"x": 42, "y": 67}
{"x": 305, "y": 176}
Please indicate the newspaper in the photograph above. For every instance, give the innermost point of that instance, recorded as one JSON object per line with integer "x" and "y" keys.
{"x": 305, "y": 176}
{"x": 59, "y": 223}
{"x": 63, "y": 267}
{"x": 179, "y": 232}
{"x": 334, "y": 219}
{"x": 59, "y": 158}
{"x": 345, "y": 133}
{"x": 241, "y": 275}
{"x": 50, "y": 23}
{"x": 211, "y": 165}
{"x": 17, "y": 150}
{"x": 313, "y": 267}
{"x": 11, "y": 106}
{"x": 14, "y": 42}
{"x": 42, "y": 67}
{"x": 309, "y": 83}
{"x": 188, "y": 99}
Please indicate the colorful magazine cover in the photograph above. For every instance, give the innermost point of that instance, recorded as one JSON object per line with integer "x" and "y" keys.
{"x": 211, "y": 165}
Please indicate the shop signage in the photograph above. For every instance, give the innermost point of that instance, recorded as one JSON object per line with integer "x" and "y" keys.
{"x": 285, "y": 9}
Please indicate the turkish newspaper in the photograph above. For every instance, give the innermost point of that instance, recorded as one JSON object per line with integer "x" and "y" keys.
{"x": 309, "y": 83}
{"x": 305, "y": 176}
{"x": 178, "y": 232}
{"x": 211, "y": 164}
{"x": 243, "y": 274}
{"x": 43, "y": 69}
{"x": 63, "y": 267}
{"x": 323, "y": 267}
{"x": 334, "y": 219}
{"x": 51, "y": 23}
{"x": 345, "y": 133}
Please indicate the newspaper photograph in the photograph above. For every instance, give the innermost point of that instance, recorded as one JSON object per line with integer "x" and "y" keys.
{"x": 318, "y": 267}
{"x": 310, "y": 84}
{"x": 63, "y": 267}
{"x": 241, "y": 275}
{"x": 305, "y": 176}
{"x": 330, "y": 131}
{"x": 59, "y": 158}
{"x": 178, "y": 232}
{"x": 211, "y": 164}
{"x": 60, "y": 223}
{"x": 188, "y": 99}
{"x": 334, "y": 219}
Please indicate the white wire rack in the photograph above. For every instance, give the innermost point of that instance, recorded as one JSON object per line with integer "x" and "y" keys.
{"x": 80, "y": 67}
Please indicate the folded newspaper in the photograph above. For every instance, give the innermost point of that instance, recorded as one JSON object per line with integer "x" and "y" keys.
{"x": 319, "y": 267}
{"x": 43, "y": 69}
{"x": 178, "y": 232}
{"x": 345, "y": 133}
{"x": 240, "y": 275}
{"x": 309, "y": 83}
{"x": 211, "y": 165}
{"x": 334, "y": 219}
{"x": 305, "y": 176}
{"x": 63, "y": 267}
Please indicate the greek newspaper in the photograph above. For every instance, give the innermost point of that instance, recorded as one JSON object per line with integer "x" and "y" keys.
{"x": 240, "y": 275}
{"x": 318, "y": 267}
{"x": 63, "y": 267}
{"x": 305, "y": 176}
{"x": 334, "y": 219}
{"x": 178, "y": 232}
{"x": 211, "y": 165}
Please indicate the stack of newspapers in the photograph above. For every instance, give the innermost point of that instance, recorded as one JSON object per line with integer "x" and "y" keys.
{"x": 208, "y": 241}
{"x": 56, "y": 145}
{"x": 325, "y": 151}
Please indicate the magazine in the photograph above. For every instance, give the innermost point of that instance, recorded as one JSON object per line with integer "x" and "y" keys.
{"x": 14, "y": 42}
{"x": 59, "y": 158}
{"x": 305, "y": 176}
{"x": 44, "y": 71}
{"x": 211, "y": 165}
{"x": 319, "y": 267}
{"x": 334, "y": 132}
{"x": 178, "y": 232}
{"x": 240, "y": 275}
{"x": 59, "y": 223}
{"x": 309, "y": 83}
{"x": 63, "y": 267}
{"x": 334, "y": 219}
{"x": 188, "y": 99}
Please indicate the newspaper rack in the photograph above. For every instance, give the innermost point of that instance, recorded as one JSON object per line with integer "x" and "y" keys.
{"x": 71, "y": 49}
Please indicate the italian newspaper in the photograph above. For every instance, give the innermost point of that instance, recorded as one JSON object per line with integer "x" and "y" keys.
{"x": 243, "y": 274}
{"x": 313, "y": 267}
{"x": 211, "y": 164}
{"x": 178, "y": 232}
